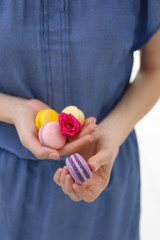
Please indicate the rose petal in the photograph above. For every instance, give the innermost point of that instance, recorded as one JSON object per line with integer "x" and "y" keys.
{"x": 69, "y": 125}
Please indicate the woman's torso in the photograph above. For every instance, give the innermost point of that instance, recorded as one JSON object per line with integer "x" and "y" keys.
{"x": 65, "y": 53}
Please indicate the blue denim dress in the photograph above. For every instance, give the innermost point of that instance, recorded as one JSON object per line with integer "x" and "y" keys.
{"x": 69, "y": 52}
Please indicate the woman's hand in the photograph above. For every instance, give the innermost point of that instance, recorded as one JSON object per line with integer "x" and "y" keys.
{"x": 137, "y": 99}
{"x": 24, "y": 120}
{"x": 100, "y": 155}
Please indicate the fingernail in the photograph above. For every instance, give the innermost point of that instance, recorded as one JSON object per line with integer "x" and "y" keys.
{"x": 95, "y": 120}
{"x": 95, "y": 165}
{"x": 75, "y": 188}
{"x": 95, "y": 128}
{"x": 54, "y": 156}
{"x": 92, "y": 138}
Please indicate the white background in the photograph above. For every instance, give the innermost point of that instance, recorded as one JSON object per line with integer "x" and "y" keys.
{"x": 148, "y": 133}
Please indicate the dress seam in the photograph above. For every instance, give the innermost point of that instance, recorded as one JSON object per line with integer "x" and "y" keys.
{"x": 42, "y": 46}
{"x": 65, "y": 51}
{"x": 49, "y": 55}
{"x": 45, "y": 46}
{"x": 68, "y": 56}
{"x": 61, "y": 7}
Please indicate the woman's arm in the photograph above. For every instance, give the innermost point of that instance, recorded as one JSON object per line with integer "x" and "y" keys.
{"x": 141, "y": 95}
{"x": 22, "y": 112}
{"x": 137, "y": 100}
{"x": 8, "y": 105}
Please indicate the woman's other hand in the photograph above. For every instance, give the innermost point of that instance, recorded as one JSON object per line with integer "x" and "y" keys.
{"x": 100, "y": 154}
{"x": 24, "y": 115}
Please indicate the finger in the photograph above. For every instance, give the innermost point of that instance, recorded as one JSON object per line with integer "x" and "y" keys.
{"x": 89, "y": 120}
{"x": 62, "y": 178}
{"x": 100, "y": 158}
{"x": 31, "y": 142}
{"x": 69, "y": 189}
{"x": 83, "y": 193}
{"x": 75, "y": 146}
{"x": 90, "y": 128}
{"x": 57, "y": 175}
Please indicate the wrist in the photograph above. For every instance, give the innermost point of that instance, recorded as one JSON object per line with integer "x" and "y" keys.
{"x": 136, "y": 101}
{"x": 115, "y": 126}
{"x": 8, "y": 107}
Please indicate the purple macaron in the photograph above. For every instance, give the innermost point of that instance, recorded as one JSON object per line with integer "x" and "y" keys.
{"x": 78, "y": 168}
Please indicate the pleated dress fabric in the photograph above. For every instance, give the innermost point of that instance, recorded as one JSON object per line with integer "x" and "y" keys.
{"x": 69, "y": 52}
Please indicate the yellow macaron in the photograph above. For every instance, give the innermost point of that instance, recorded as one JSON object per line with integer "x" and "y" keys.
{"x": 46, "y": 115}
{"x": 76, "y": 112}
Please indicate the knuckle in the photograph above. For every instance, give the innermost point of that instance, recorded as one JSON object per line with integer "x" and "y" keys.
{"x": 65, "y": 192}
{"x": 91, "y": 119}
{"x": 24, "y": 137}
{"x": 110, "y": 152}
{"x": 23, "y": 140}
{"x": 75, "y": 198}
{"x": 39, "y": 155}
{"x": 90, "y": 200}
{"x": 90, "y": 128}
{"x": 87, "y": 139}
{"x": 92, "y": 125}
{"x": 105, "y": 185}
{"x": 55, "y": 178}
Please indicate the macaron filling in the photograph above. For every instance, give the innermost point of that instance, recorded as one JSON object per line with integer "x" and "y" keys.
{"x": 76, "y": 169}
{"x": 84, "y": 172}
{"x": 80, "y": 117}
{"x": 40, "y": 135}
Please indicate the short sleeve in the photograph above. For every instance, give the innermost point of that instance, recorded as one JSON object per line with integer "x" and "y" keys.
{"x": 148, "y": 22}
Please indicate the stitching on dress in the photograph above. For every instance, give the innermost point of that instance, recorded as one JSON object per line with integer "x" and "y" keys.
{"x": 42, "y": 30}
{"x": 62, "y": 62}
{"x": 49, "y": 55}
{"x": 68, "y": 69}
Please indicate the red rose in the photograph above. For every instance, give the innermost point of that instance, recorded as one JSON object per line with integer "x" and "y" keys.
{"x": 69, "y": 125}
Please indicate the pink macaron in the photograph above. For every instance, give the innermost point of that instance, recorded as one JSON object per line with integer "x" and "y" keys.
{"x": 50, "y": 135}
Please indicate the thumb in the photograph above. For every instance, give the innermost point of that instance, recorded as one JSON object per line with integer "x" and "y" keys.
{"x": 31, "y": 142}
{"x": 97, "y": 160}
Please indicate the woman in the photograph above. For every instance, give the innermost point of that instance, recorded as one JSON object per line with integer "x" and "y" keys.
{"x": 60, "y": 53}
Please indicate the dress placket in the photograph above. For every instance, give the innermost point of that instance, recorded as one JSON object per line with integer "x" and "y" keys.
{"x": 64, "y": 24}
{"x": 45, "y": 45}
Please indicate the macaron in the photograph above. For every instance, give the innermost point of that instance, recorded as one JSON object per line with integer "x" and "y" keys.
{"x": 50, "y": 135}
{"x": 78, "y": 168}
{"x": 76, "y": 112}
{"x": 46, "y": 115}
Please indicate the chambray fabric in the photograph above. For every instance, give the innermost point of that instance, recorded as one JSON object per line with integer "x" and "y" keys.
{"x": 69, "y": 52}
